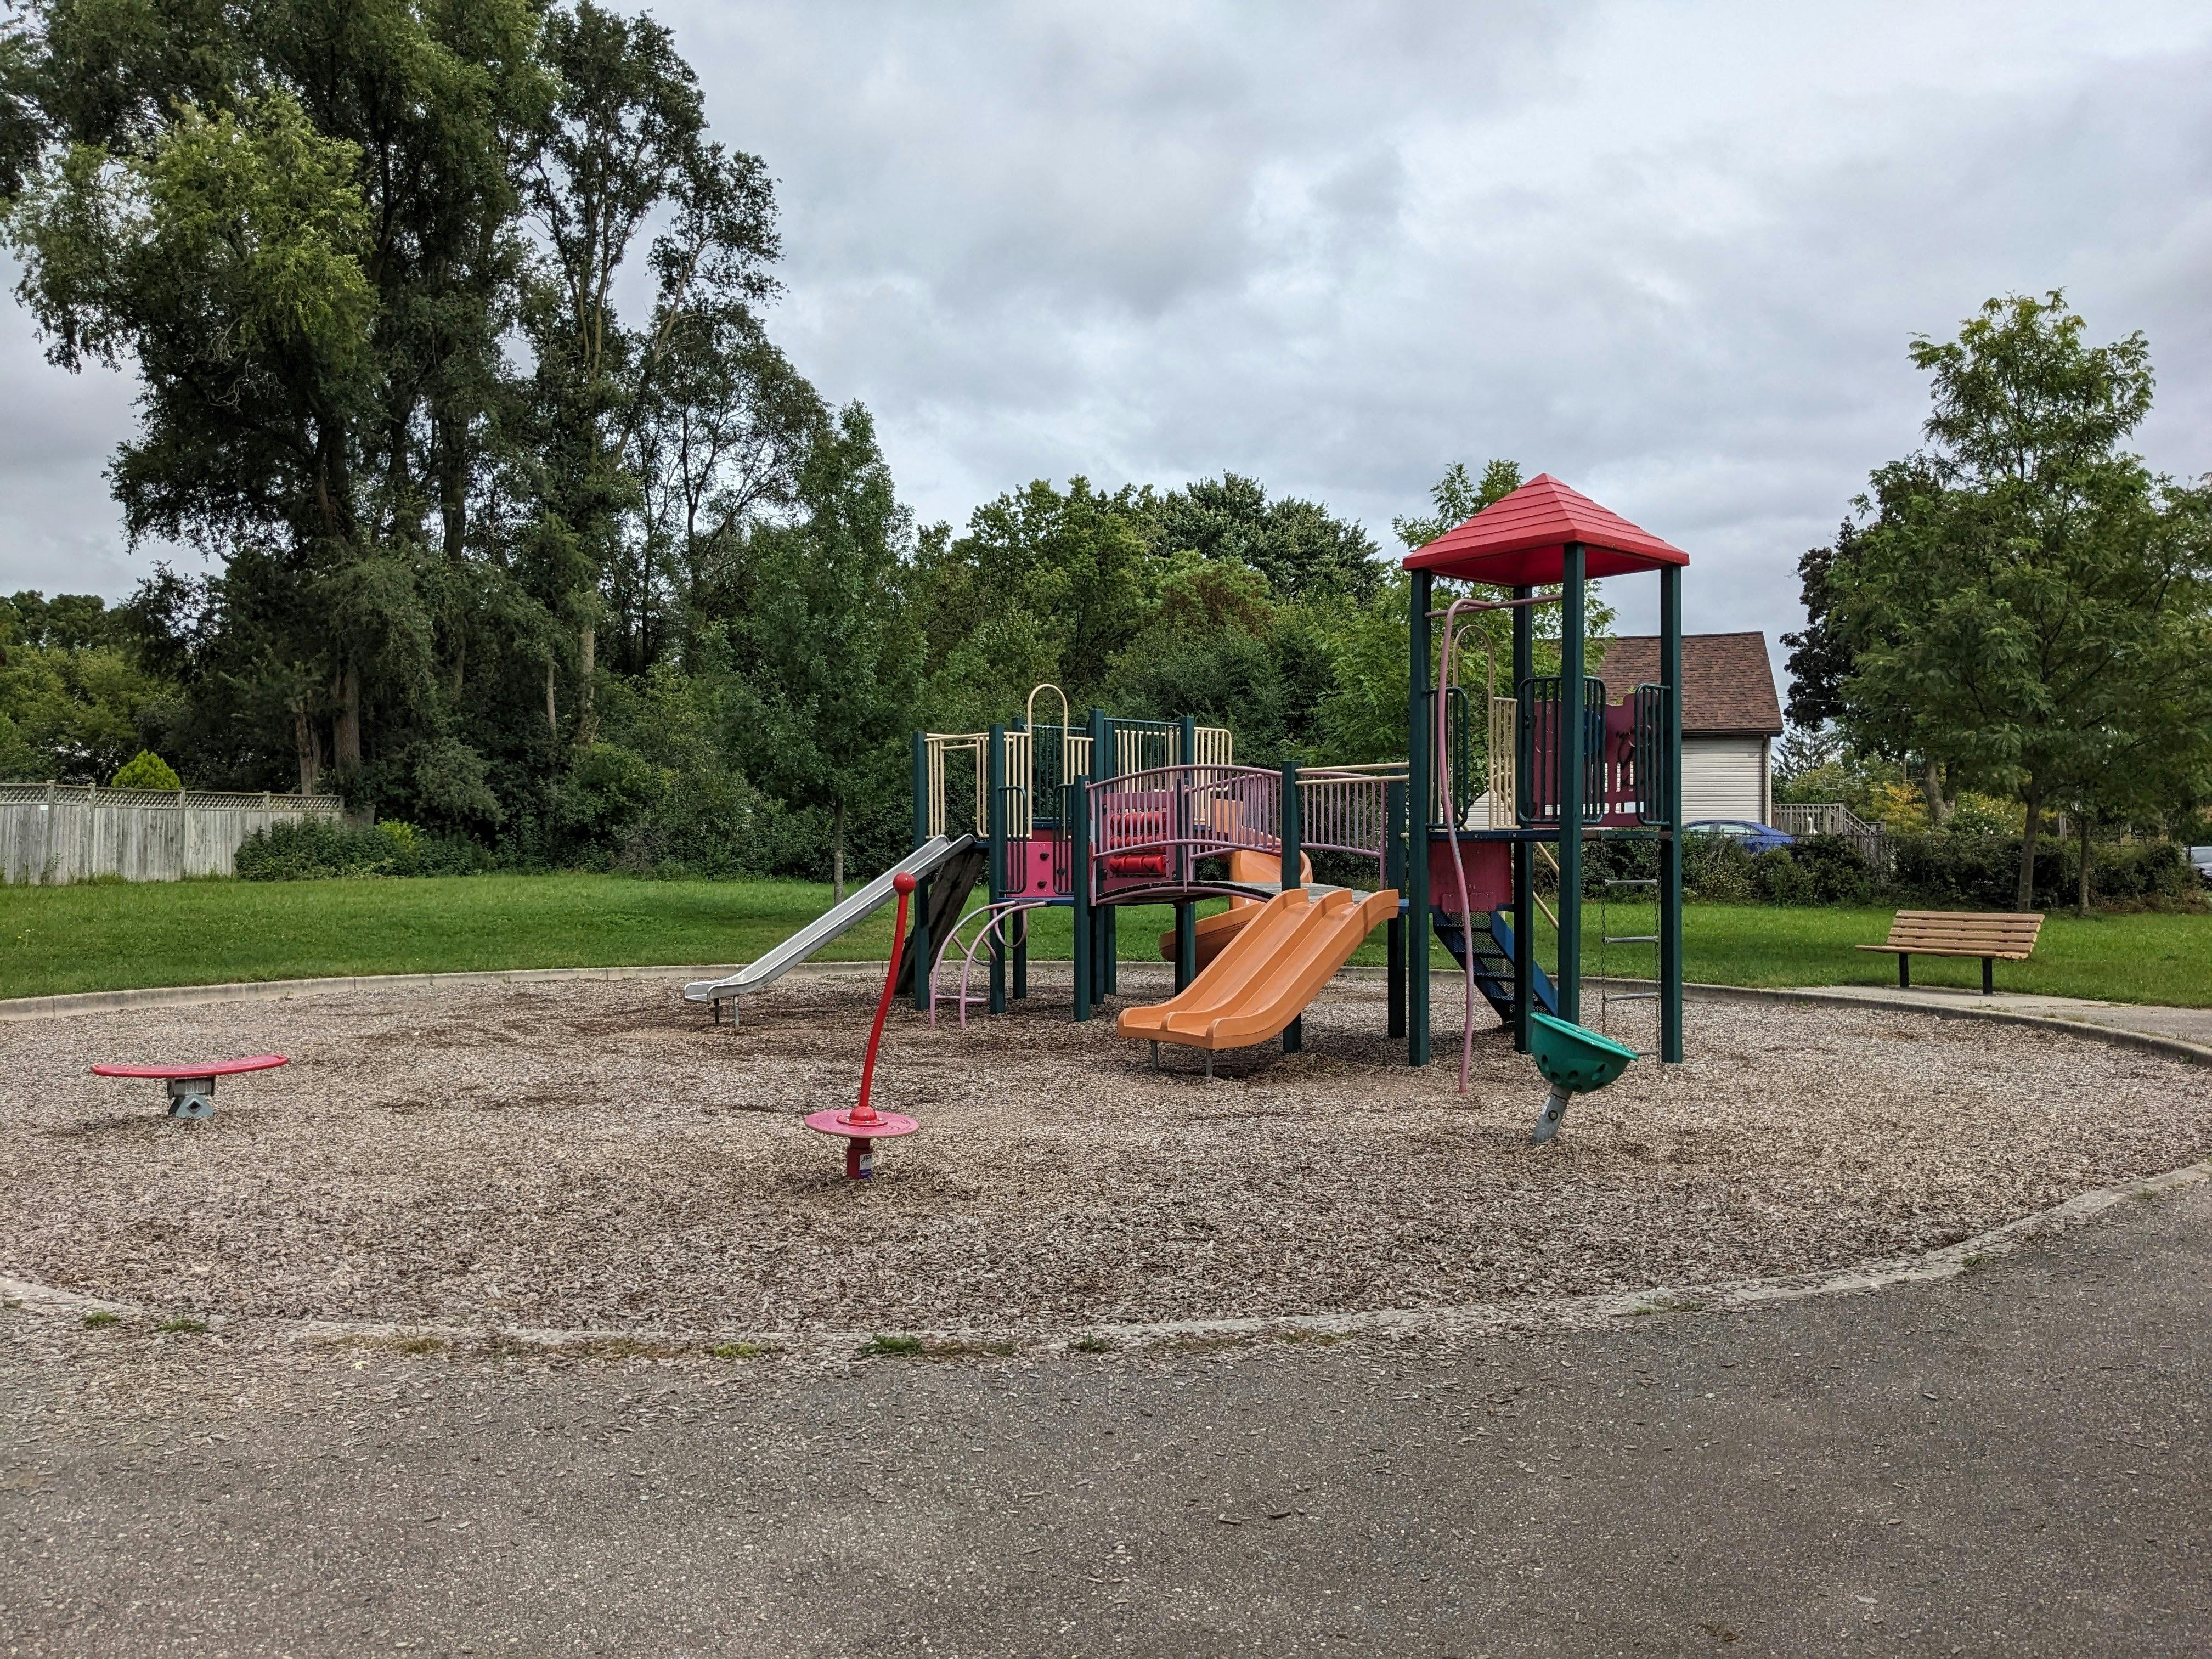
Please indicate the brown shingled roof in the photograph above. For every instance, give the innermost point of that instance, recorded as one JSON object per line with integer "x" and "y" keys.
{"x": 1728, "y": 683}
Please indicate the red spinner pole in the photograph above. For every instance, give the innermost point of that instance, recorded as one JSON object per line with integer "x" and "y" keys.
{"x": 864, "y": 1125}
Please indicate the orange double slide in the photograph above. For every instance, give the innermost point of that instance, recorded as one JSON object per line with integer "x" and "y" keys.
{"x": 1214, "y": 932}
{"x": 1265, "y": 975}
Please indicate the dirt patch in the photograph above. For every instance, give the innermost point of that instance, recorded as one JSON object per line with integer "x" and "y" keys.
{"x": 596, "y": 1155}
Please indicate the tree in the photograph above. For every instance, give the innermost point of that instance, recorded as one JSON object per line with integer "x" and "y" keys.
{"x": 1046, "y": 585}
{"x": 2027, "y": 602}
{"x": 1820, "y": 657}
{"x": 291, "y": 219}
{"x": 835, "y": 667}
{"x": 626, "y": 142}
{"x": 145, "y": 770}
{"x": 1457, "y": 497}
{"x": 1302, "y": 550}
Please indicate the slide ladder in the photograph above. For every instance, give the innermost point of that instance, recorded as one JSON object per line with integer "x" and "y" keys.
{"x": 949, "y": 889}
{"x": 857, "y": 907}
{"x": 1493, "y": 963}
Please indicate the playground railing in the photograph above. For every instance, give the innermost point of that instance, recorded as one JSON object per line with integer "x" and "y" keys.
{"x": 1340, "y": 810}
{"x": 1151, "y": 828}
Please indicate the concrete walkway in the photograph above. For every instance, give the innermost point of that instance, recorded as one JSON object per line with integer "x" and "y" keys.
{"x": 2186, "y": 1025}
{"x": 2013, "y": 1461}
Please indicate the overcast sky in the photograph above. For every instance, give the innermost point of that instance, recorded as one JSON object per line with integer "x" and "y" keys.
{"x": 1672, "y": 254}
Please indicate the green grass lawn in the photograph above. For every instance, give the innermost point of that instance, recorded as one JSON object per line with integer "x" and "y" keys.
{"x": 109, "y": 935}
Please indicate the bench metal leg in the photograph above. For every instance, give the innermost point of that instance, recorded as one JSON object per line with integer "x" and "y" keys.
{"x": 1905, "y": 970}
{"x": 1988, "y": 976}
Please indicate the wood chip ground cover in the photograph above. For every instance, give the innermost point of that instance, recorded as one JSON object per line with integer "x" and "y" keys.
{"x": 597, "y": 1156}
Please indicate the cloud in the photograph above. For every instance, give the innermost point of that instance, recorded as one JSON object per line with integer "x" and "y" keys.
{"x": 1673, "y": 254}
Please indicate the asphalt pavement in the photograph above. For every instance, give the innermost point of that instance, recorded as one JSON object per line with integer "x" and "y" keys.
{"x": 2014, "y": 1460}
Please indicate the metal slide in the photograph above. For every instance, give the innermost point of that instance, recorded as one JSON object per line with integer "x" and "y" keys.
{"x": 857, "y": 907}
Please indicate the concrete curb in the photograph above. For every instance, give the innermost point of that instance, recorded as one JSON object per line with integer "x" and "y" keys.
{"x": 1468, "y": 1321}
{"x": 185, "y": 996}
{"x": 274, "y": 990}
{"x": 2196, "y": 1054}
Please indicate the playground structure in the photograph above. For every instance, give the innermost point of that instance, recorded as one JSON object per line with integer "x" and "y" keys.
{"x": 191, "y": 1087}
{"x": 1046, "y": 812}
{"x": 1117, "y": 811}
{"x": 1583, "y": 769}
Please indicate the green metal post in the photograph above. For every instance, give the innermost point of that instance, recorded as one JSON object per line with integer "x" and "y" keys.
{"x": 1421, "y": 756}
{"x": 1186, "y": 866}
{"x": 922, "y": 945}
{"x": 1077, "y": 807}
{"x": 1103, "y": 979}
{"x": 1294, "y": 1035}
{"x": 1394, "y": 877}
{"x": 1569, "y": 744}
{"x": 1018, "y": 869}
{"x": 1524, "y": 854}
{"x": 1670, "y": 844}
{"x": 995, "y": 762}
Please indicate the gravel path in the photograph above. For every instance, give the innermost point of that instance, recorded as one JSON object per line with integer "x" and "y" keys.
{"x": 595, "y": 1156}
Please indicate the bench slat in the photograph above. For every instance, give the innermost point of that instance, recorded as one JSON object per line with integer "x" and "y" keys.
{"x": 2016, "y": 934}
{"x": 1996, "y": 924}
{"x": 1944, "y": 950}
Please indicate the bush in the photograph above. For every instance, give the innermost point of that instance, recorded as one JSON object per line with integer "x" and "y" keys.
{"x": 321, "y": 848}
{"x": 145, "y": 770}
{"x": 1817, "y": 870}
{"x": 1962, "y": 869}
{"x": 1718, "y": 869}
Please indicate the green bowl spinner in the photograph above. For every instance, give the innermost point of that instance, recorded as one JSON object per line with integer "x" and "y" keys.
{"x": 1575, "y": 1060}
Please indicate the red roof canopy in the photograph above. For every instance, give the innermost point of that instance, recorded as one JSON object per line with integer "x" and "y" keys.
{"x": 1520, "y": 540}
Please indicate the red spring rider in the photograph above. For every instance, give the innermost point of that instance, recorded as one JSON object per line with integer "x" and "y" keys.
{"x": 864, "y": 1125}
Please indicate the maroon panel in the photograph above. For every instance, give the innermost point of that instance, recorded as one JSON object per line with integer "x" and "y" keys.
{"x": 1489, "y": 876}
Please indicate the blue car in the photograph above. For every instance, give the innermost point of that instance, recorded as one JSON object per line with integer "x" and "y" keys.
{"x": 1755, "y": 837}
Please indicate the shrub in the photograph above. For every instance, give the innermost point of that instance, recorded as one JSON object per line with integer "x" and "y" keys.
{"x": 1718, "y": 869}
{"x": 322, "y": 847}
{"x": 1964, "y": 870}
{"x": 145, "y": 770}
{"x": 1817, "y": 870}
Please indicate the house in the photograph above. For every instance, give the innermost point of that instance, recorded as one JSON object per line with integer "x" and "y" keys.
{"x": 1730, "y": 718}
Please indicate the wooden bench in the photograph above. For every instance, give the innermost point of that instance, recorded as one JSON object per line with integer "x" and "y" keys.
{"x": 2010, "y": 934}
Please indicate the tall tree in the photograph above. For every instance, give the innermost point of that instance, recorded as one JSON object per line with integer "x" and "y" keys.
{"x": 2028, "y": 589}
{"x": 290, "y": 218}
{"x": 1299, "y": 546}
{"x": 626, "y": 144}
{"x": 835, "y": 665}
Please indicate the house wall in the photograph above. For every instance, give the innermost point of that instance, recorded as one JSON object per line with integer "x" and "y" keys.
{"x": 1724, "y": 778}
